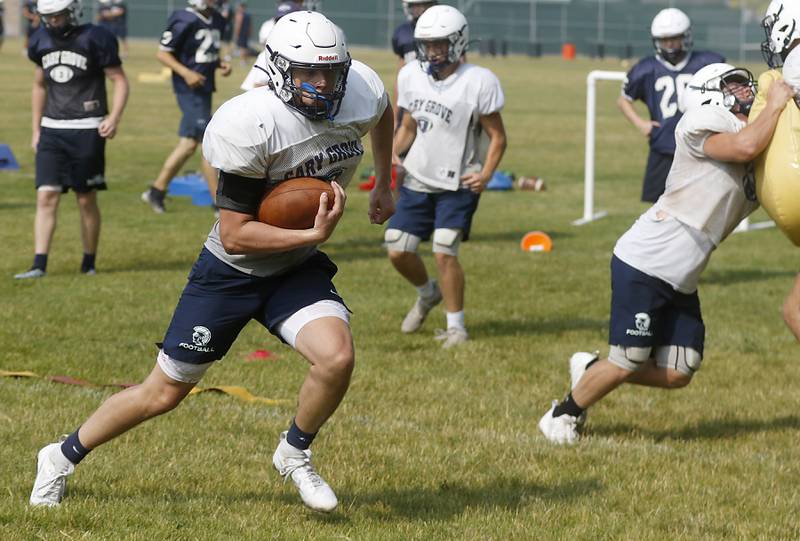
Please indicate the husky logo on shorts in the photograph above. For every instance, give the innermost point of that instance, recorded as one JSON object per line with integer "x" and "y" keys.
{"x": 201, "y": 336}
{"x": 642, "y": 322}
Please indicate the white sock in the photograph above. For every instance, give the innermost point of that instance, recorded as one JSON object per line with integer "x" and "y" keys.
{"x": 426, "y": 291}
{"x": 455, "y": 319}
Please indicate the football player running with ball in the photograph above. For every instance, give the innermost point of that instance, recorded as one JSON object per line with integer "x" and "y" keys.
{"x": 656, "y": 332}
{"x": 308, "y": 122}
{"x": 452, "y": 112}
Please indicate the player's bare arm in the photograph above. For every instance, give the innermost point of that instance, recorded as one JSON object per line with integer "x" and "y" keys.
{"x": 381, "y": 202}
{"x": 644, "y": 126}
{"x": 493, "y": 126}
{"x": 108, "y": 128}
{"x": 243, "y": 234}
{"x": 404, "y": 138}
{"x": 746, "y": 145}
{"x": 38, "y": 97}
{"x": 791, "y": 309}
{"x": 192, "y": 78}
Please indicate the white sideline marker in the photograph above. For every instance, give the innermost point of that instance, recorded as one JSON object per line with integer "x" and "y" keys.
{"x": 589, "y": 214}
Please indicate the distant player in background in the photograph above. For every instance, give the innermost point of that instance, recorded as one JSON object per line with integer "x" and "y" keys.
{"x": 113, "y": 15}
{"x": 309, "y": 122}
{"x": 225, "y": 9}
{"x": 452, "y": 113}
{"x": 31, "y": 17}
{"x": 242, "y": 26}
{"x": 71, "y": 122}
{"x": 659, "y": 81}
{"x": 403, "y": 43}
{"x": 656, "y": 330}
{"x": 257, "y": 76}
{"x": 190, "y": 48}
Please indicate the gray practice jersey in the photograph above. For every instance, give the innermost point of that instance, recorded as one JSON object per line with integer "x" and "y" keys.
{"x": 704, "y": 201}
{"x": 255, "y": 135}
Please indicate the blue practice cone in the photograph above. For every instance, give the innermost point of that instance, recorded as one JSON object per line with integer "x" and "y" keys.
{"x": 7, "y": 159}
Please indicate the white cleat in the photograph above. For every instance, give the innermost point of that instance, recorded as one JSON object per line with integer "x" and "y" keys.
{"x": 294, "y": 463}
{"x": 422, "y": 307}
{"x": 33, "y": 273}
{"x": 452, "y": 337}
{"x": 562, "y": 430}
{"x": 51, "y": 476}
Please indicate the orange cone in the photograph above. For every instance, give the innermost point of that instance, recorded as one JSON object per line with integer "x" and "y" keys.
{"x": 536, "y": 241}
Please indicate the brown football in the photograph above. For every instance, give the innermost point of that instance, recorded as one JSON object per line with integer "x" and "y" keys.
{"x": 293, "y": 204}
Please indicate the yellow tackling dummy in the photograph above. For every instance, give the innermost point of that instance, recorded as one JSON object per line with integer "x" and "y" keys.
{"x": 778, "y": 167}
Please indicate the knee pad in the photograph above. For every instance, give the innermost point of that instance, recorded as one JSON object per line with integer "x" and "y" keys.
{"x": 181, "y": 371}
{"x": 400, "y": 241}
{"x": 628, "y": 358}
{"x": 446, "y": 241}
{"x": 682, "y": 359}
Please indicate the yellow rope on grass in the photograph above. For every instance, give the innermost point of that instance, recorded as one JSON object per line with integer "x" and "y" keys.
{"x": 231, "y": 390}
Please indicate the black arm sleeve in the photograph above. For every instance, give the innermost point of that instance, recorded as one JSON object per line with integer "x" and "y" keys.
{"x": 240, "y": 194}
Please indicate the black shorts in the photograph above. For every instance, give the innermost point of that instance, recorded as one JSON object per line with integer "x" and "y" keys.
{"x": 218, "y": 301}
{"x": 648, "y": 312}
{"x": 71, "y": 159}
{"x": 655, "y": 176}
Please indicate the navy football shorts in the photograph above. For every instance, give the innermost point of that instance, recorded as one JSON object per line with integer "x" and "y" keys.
{"x": 218, "y": 301}
{"x": 71, "y": 159}
{"x": 419, "y": 213}
{"x": 648, "y": 312}
{"x": 655, "y": 176}
{"x": 196, "y": 109}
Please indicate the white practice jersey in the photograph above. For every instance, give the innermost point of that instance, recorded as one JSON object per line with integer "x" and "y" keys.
{"x": 449, "y": 140}
{"x": 256, "y": 135}
{"x": 702, "y": 204}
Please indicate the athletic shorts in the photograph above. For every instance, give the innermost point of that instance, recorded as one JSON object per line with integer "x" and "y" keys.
{"x": 648, "y": 312}
{"x": 71, "y": 159}
{"x": 419, "y": 213}
{"x": 218, "y": 301}
{"x": 655, "y": 176}
{"x": 196, "y": 109}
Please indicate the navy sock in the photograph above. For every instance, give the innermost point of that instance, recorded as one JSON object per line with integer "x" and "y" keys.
{"x": 88, "y": 262}
{"x": 73, "y": 450}
{"x": 40, "y": 262}
{"x": 569, "y": 407}
{"x": 299, "y": 439}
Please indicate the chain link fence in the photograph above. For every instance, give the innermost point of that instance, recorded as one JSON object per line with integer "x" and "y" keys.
{"x": 618, "y": 28}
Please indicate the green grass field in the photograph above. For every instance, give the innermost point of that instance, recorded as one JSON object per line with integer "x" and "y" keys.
{"x": 429, "y": 444}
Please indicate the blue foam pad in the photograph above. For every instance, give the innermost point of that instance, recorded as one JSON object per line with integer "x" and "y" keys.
{"x": 187, "y": 185}
{"x": 500, "y": 181}
{"x": 7, "y": 159}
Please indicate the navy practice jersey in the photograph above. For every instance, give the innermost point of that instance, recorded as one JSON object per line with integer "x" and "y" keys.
{"x": 659, "y": 85}
{"x": 73, "y": 70}
{"x": 403, "y": 43}
{"x": 194, "y": 41}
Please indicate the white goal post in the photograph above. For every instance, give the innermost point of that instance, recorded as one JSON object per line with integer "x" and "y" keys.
{"x": 589, "y": 213}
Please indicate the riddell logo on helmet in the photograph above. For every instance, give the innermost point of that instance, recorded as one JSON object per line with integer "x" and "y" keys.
{"x": 328, "y": 58}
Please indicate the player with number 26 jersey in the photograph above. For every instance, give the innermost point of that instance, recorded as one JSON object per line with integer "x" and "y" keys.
{"x": 193, "y": 38}
{"x": 659, "y": 84}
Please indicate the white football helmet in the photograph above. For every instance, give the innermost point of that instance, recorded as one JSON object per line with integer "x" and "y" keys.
{"x": 671, "y": 23}
{"x": 307, "y": 40}
{"x": 720, "y": 85}
{"x": 441, "y": 23}
{"x": 202, "y": 5}
{"x": 47, "y": 8}
{"x": 782, "y": 27}
{"x": 408, "y": 3}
